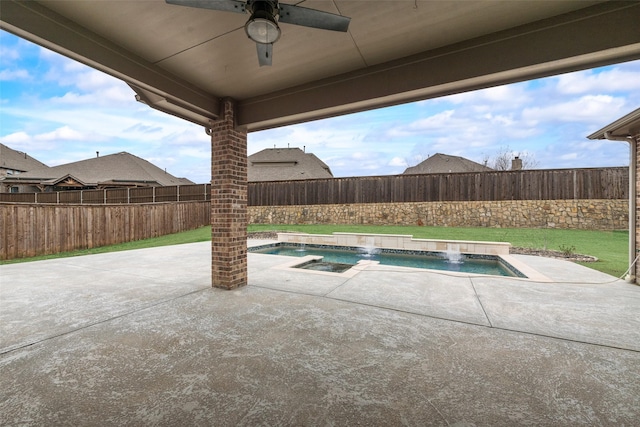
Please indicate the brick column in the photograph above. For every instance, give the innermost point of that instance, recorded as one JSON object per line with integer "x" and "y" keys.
{"x": 228, "y": 202}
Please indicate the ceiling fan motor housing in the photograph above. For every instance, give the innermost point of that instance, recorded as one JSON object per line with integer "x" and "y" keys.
{"x": 262, "y": 27}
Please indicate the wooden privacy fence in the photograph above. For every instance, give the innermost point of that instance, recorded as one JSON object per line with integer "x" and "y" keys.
{"x": 181, "y": 193}
{"x": 552, "y": 184}
{"x": 549, "y": 184}
{"x": 30, "y": 230}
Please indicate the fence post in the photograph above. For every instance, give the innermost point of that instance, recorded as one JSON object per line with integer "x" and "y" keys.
{"x": 205, "y": 192}
{"x": 177, "y": 193}
{"x": 35, "y": 198}
{"x": 128, "y": 195}
{"x": 154, "y": 195}
{"x": 104, "y": 196}
{"x": 81, "y": 197}
{"x": 57, "y": 197}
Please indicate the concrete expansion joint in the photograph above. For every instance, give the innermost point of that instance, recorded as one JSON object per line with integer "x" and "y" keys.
{"x": 475, "y": 292}
{"x": 340, "y": 285}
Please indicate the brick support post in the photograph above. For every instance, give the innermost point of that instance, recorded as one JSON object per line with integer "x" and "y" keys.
{"x": 228, "y": 202}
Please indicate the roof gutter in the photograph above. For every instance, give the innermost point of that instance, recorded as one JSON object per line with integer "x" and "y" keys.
{"x": 174, "y": 107}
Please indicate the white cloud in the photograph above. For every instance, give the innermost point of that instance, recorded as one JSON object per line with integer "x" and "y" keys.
{"x": 436, "y": 122}
{"x": 578, "y": 152}
{"x": 18, "y": 74}
{"x": 569, "y": 156}
{"x": 162, "y": 161}
{"x": 15, "y": 139}
{"x": 45, "y": 141}
{"x": 114, "y": 94}
{"x": 196, "y": 152}
{"x": 92, "y": 80}
{"x": 588, "y": 108}
{"x": 499, "y": 119}
{"x": 8, "y": 54}
{"x": 458, "y": 130}
{"x": 63, "y": 133}
{"x": 398, "y": 162}
{"x": 505, "y": 96}
{"x": 590, "y": 81}
{"x": 111, "y": 96}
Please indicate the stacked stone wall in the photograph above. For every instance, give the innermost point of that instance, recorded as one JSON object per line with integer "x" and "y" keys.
{"x": 564, "y": 214}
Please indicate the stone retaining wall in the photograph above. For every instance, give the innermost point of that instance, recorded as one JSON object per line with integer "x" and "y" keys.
{"x": 565, "y": 214}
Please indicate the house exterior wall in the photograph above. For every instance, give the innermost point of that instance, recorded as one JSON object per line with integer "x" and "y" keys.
{"x": 21, "y": 188}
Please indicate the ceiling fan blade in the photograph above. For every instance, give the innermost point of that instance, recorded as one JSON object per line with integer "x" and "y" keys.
{"x": 297, "y": 15}
{"x": 265, "y": 53}
{"x": 224, "y": 5}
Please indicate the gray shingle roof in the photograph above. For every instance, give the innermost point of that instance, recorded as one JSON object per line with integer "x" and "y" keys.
{"x": 119, "y": 167}
{"x": 285, "y": 164}
{"x": 18, "y": 161}
{"x": 443, "y": 163}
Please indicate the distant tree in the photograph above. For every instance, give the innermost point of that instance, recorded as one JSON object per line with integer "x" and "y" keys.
{"x": 502, "y": 160}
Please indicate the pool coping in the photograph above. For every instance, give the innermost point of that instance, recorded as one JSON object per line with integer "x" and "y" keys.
{"x": 397, "y": 241}
{"x": 292, "y": 266}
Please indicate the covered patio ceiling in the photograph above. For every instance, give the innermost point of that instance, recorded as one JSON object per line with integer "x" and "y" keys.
{"x": 185, "y": 61}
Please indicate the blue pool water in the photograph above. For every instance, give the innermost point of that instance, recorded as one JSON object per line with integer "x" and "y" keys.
{"x": 429, "y": 260}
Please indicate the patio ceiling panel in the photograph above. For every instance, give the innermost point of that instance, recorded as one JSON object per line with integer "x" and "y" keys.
{"x": 586, "y": 38}
{"x": 184, "y": 60}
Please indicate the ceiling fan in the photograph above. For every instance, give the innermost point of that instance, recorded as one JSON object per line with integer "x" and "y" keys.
{"x": 262, "y": 26}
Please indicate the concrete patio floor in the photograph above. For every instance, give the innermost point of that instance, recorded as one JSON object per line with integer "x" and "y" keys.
{"x": 141, "y": 338}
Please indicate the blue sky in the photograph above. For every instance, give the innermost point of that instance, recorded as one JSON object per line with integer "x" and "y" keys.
{"x": 60, "y": 111}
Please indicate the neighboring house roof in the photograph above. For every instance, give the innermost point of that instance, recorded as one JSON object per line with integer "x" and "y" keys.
{"x": 120, "y": 169}
{"x": 624, "y": 127}
{"x": 14, "y": 160}
{"x": 285, "y": 164}
{"x": 443, "y": 163}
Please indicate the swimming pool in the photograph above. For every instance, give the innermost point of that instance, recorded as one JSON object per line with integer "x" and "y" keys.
{"x": 453, "y": 261}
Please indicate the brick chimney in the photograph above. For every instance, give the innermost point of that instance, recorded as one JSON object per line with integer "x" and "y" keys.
{"x": 516, "y": 164}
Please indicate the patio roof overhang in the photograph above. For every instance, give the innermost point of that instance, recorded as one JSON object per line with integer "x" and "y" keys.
{"x": 185, "y": 61}
{"x": 625, "y": 127}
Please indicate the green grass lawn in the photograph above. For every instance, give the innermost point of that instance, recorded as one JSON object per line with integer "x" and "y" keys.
{"x": 610, "y": 247}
